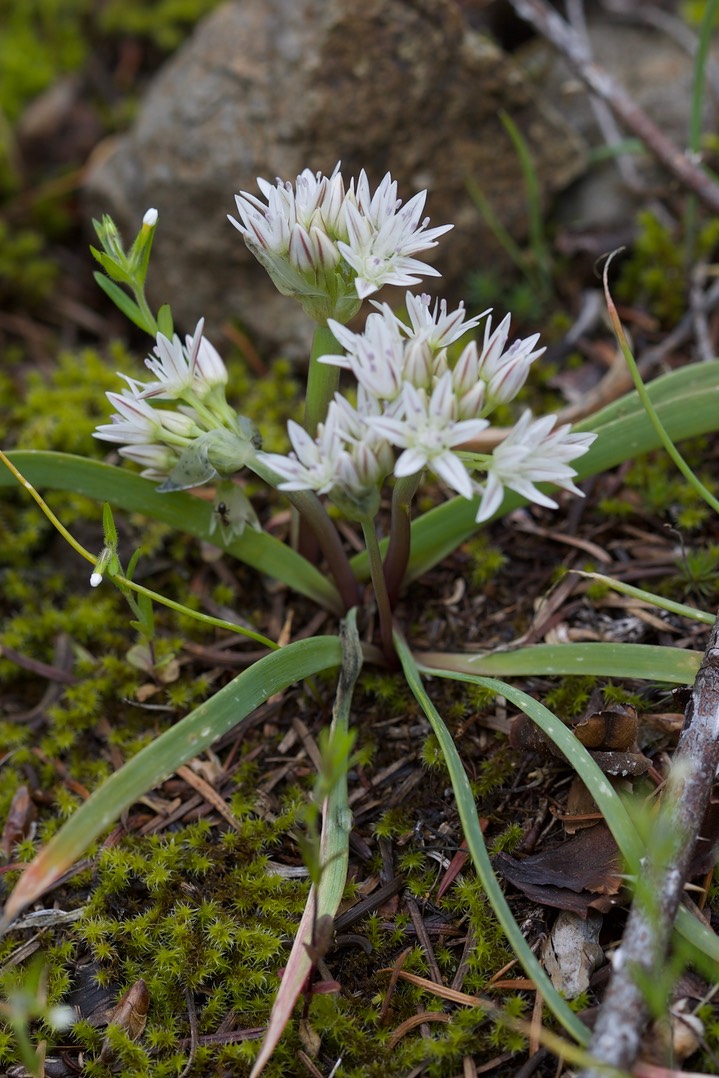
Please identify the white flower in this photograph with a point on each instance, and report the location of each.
(438, 326)
(310, 236)
(375, 357)
(532, 453)
(314, 463)
(384, 236)
(294, 236)
(171, 367)
(209, 368)
(150, 218)
(193, 369)
(158, 460)
(380, 358)
(370, 451)
(428, 432)
(136, 422)
(346, 460)
(505, 372)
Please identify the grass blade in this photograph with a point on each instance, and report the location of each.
(662, 434)
(659, 601)
(324, 899)
(478, 850)
(161, 757)
(123, 489)
(537, 238)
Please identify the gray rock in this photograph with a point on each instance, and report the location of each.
(269, 87)
(657, 72)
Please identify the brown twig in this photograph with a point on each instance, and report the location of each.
(624, 1012)
(552, 26)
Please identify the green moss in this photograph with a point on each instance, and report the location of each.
(392, 822)
(158, 913)
(570, 697)
(431, 754)
(61, 411)
(494, 772)
(698, 576)
(487, 561)
(509, 839)
(43, 39)
(654, 275)
(165, 23)
(27, 275)
(616, 694)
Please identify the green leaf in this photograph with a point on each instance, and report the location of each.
(478, 850)
(164, 321)
(608, 800)
(193, 469)
(121, 300)
(111, 267)
(103, 482)
(648, 661)
(108, 526)
(324, 898)
(185, 740)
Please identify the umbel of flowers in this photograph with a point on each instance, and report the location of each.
(330, 244)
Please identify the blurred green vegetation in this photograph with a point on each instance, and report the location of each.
(42, 39)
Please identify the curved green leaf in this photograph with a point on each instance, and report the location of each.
(472, 830)
(182, 742)
(608, 800)
(104, 482)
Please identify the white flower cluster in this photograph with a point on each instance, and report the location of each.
(411, 396)
(158, 438)
(331, 246)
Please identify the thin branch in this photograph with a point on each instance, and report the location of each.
(668, 24)
(552, 26)
(602, 113)
(624, 1011)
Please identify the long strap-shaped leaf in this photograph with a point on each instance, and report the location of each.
(651, 662)
(687, 402)
(324, 899)
(478, 851)
(123, 489)
(610, 804)
(159, 759)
